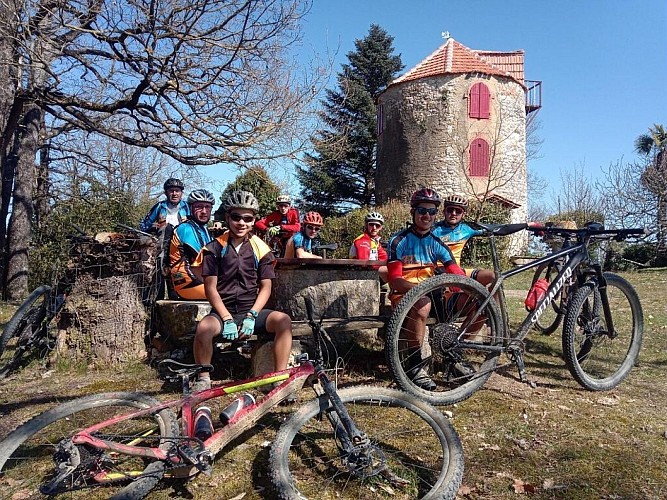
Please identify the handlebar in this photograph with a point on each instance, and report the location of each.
(594, 230)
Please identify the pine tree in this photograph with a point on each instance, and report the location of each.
(340, 173)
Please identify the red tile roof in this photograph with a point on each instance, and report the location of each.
(455, 58)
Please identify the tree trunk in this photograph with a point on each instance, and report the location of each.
(103, 322)
(20, 234)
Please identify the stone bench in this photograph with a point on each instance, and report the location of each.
(178, 319)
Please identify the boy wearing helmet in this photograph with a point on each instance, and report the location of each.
(300, 245)
(172, 210)
(413, 255)
(284, 222)
(455, 234)
(186, 244)
(237, 268)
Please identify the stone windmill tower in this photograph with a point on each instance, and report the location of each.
(457, 122)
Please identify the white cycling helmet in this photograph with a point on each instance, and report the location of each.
(455, 200)
(374, 217)
(201, 195)
(241, 199)
(284, 198)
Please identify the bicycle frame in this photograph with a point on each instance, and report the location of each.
(577, 255)
(188, 461)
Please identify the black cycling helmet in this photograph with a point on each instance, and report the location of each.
(172, 182)
(425, 195)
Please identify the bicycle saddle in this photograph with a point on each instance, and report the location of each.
(170, 367)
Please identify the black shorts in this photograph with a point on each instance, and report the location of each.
(260, 321)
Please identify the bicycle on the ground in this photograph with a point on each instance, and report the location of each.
(29, 333)
(369, 442)
(469, 328)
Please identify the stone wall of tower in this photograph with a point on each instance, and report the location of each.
(426, 134)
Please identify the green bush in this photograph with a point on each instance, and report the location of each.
(344, 229)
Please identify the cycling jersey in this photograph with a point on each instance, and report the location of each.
(289, 223)
(366, 248)
(455, 237)
(239, 272)
(299, 240)
(186, 243)
(156, 217)
(414, 256)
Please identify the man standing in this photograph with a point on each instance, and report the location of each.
(413, 255)
(283, 223)
(172, 210)
(237, 268)
(186, 243)
(161, 219)
(368, 246)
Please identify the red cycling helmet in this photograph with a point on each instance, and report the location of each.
(313, 218)
(425, 195)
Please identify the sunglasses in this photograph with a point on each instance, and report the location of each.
(373, 224)
(283, 205)
(313, 228)
(454, 210)
(238, 217)
(424, 211)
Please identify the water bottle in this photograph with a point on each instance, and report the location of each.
(236, 406)
(536, 293)
(203, 423)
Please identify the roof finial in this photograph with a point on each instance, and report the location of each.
(445, 35)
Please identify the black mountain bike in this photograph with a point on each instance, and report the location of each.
(467, 329)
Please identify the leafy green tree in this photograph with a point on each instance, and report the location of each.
(340, 173)
(653, 146)
(257, 181)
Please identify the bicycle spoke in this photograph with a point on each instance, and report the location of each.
(47, 461)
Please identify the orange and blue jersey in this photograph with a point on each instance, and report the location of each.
(455, 237)
(186, 243)
(414, 257)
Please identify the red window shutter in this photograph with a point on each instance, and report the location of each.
(473, 101)
(479, 158)
(479, 101)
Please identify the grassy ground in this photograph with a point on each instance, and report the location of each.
(549, 439)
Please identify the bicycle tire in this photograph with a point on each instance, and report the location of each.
(550, 320)
(26, 323)
(457, 372)
(27, 453)
(425, 451)
(596, 361)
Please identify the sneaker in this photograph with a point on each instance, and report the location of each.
(421, 379)
(201, 384)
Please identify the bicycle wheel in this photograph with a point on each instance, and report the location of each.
(23, 329)
(455, 372)
(31, 455)
(597, 358)
(552, 316)
(414, 450)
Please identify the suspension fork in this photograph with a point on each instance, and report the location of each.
(601, 285)
(345, 429)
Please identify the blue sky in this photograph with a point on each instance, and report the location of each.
(603, 64)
